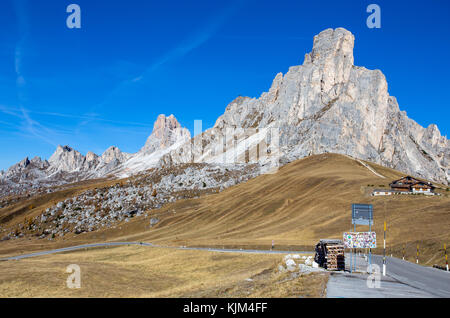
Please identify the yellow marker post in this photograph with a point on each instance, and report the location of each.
(446, 259)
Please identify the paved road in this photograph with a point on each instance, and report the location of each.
(346, 285)
(431, 280)
(80, 247)
(403, 280)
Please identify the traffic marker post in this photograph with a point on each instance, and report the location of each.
(403, 252)
(417, 254)
(446, 259)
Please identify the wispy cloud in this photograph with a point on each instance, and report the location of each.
(91, 117)
(28, 124)
(195, 40)
(280, 37)
(37, 129)
(20, 7)
(180, 50)
(6, 123)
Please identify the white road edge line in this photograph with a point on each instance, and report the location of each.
(94, 245)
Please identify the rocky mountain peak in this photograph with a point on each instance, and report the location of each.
(91, 157)
(166, 132)
(39, 163)
(66, 158)
(59, 151)
(18, 167)
(64, 148)
(329, 105)
(25, 170)
(164, 124)
(24, 163)
(113, 153)
(36, 159)
(331, 45)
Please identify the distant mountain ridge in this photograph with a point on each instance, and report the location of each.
(68, 165)
(325, 105)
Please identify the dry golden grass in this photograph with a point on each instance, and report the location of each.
(137, 271)
(304, 201)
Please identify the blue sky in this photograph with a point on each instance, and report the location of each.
(105, 84)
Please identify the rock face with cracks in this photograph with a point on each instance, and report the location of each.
(330, 105)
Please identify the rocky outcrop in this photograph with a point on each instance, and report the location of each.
(330, 105)
(114, 154)
(66, 159)
(106, 206)
(166, 132)
(166, 136)
(26, 170)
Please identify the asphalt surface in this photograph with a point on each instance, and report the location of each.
(95, 245)
(346, 285)
(403, 280)
(431, 280)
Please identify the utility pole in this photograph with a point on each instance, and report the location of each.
(384, 250)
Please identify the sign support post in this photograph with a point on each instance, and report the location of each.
(351, 260)
(362, 214)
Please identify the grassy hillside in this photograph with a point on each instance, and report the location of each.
(304, 201)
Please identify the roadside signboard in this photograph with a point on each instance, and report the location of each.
(362, 214)
(360, 239)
